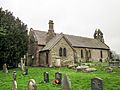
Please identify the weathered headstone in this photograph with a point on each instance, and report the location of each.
(14, 84)
(66, 83)
(90, 69)
(109, 69)
(114, 63)
(26, 70)
(46, 77)
(32, 84)
(81, 68)
(5, 70)
(22, 64)
(19, 65)
(14, 75)
(58, 76)
(25, 60)
(96, 84)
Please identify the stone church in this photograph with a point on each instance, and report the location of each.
(47, 48)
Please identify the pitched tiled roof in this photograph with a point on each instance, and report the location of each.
(55, 40)
(52, 42)
(76, 41)
(40, 36)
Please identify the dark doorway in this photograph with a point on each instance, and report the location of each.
(47, 63)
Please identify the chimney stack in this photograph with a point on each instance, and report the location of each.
(51, 25)
(50, 33)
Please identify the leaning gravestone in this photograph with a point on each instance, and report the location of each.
(5, 70)
(32, 85)
(14, 85)
(66, 83)
(46, 77)
(96, 84)
(58, 76)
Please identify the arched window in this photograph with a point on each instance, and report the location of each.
(101, 54)
(89, 54)
(64, 52)
(81, 53)
(60, 51)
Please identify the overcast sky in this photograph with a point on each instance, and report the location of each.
(77, 17)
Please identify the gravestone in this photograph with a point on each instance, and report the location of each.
(96, 84)
(58, 76)
(14, 84)
(109, 69)
(22, 64)
(5, 70)
(32, 85)
(46, 77)
(26, 70)
(90, 69)
(14, 75)
(114, 63)
(81, 68)
(19, 65)
(66, 83)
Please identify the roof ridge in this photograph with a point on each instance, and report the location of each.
(79, 36)
(73, 39)
(40, 31)
(66, 34)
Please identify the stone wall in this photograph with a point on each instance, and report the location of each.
(95, 54)
(42, 61)
(54, 53)
(37, 55)
(78, 54)
(33, 51)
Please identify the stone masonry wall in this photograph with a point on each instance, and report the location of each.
(95, 54)
(54, 53)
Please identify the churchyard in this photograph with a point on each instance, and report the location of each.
(80, 80)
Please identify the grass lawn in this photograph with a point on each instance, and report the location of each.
(79, 80)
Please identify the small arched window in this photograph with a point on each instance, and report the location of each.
(64, 52)
(101, 54)
(81, 53)
(89, 54)
(60, 51)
